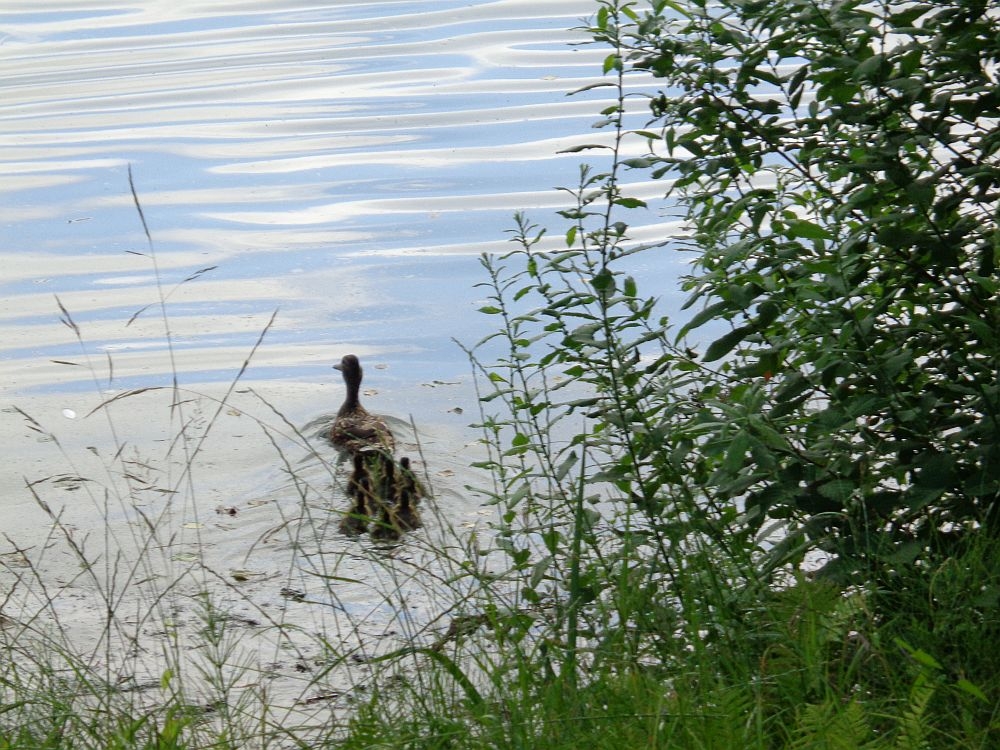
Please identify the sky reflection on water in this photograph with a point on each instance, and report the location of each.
(346, 165)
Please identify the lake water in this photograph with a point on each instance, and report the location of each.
(344, 166)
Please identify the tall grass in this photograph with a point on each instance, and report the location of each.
(161, 630)
(629, 605)
(624, 605)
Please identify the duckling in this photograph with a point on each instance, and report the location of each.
(398, 511)
(409, 480)
(355, 429)
(407, 493)
(386, 526)
(359, 490)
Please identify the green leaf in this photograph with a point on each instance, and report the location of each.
(876, 64)
(722, 346)
(703, 316)
(583, 147)
(601, 21)
(591, 86)
(563, 469)
(967, 687)
(807, 230)
(644, 162)
(630, 202)
(918, 655)
(538, 571)
(840, 490)
(604, 281)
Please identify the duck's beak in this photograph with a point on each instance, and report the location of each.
(338, 366)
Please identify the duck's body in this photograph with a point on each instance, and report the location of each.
(355, 429)
(405, 516)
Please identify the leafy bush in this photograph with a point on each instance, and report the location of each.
(837, 165)
(645, 583)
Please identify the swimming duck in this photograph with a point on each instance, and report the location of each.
(386, 525)
(372, 489)
(355, 429)
(359, 490)
(400, 513)
(408, 492)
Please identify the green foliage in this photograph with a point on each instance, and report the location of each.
(658, 496)
(837, 164)
(645, 583)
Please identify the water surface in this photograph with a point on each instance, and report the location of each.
(346, 165)
(328, 174)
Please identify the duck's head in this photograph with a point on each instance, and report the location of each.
(350, 367)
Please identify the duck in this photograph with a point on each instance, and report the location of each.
(386, 526)
(400, 513)
(372, 490)
(355, 429)
(356, 520)
(407, 493)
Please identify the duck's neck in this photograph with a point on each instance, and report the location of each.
(351, 400)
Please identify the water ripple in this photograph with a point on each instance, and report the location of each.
(335, 161)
